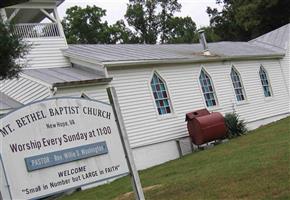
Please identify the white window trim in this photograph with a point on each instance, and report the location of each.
(269, 81)
(242, 102)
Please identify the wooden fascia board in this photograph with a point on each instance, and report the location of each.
(77, 58)
(99, 81)
(30, 4)
(93, 82)
(86, 63)
(11, 3)
(33, 5)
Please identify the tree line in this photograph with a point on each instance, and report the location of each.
(151, 22)
(154, 21)
(146, 21)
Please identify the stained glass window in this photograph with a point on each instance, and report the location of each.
(238, 86)
(160, 95)
(207, 89)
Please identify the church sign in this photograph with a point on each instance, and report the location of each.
(58, 144)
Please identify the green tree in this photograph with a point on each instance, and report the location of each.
(211, 36)
(148, 20)
(84, 25)
(247, 19)
(12, 47)
(141, 15)
(166, 19)
(154, 19)
(119, 33)
(180, 30)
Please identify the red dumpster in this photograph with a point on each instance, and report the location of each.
(204, 126)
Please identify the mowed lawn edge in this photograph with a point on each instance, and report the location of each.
(253, 166)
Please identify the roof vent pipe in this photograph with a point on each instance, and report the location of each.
(203, 42)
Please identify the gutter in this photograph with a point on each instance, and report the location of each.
(205, 59)
(182, 60)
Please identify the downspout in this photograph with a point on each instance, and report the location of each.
(284, 74)
(284, 79)
(107, 75)
(106, 71)
(287, 86)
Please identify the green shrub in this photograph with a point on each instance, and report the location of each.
(236, 127)
(12, 48)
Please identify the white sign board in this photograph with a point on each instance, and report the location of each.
(58, 144)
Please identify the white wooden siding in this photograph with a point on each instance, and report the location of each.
(285, 63)
(46, 53)
(257, 106)
(145, 126)
(24, 90)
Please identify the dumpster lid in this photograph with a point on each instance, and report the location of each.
(196, 113)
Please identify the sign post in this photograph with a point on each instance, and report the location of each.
(139, 195)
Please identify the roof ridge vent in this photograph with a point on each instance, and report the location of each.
(203, 42)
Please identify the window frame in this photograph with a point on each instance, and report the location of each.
(233, 68)
(269, 82)
(165, 115)
(213, 107)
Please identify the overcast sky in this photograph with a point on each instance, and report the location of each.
(116, 9)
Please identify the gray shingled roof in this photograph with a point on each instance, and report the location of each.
(278, 38)
(62, 76)
(7, 103)
(104, 54)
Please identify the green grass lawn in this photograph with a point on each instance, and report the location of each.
(254, 166)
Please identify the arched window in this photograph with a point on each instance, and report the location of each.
(207, 89)
(160, 94)
(238, 85)
(265, 82)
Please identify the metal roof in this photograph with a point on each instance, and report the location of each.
(278, 38)
(105, 54)
(7, 103)
(66, 76)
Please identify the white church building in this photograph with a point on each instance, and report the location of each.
(156, 84)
